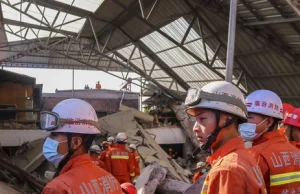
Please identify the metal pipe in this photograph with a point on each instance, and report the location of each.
(231, 40)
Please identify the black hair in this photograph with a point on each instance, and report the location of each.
(87, 140)
(274, 126)
(121, 142)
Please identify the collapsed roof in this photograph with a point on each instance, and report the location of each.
(174, 44)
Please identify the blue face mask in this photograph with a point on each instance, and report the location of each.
(203, 171)
(50, 151)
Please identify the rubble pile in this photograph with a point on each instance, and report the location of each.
(26, 170)
(16, 125)
(159, 171)
(18, 180)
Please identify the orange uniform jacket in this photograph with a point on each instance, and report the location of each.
(80, 175)
(297, 145)
(135, 156)
(196, 176)
(103, 157)
(279, 162)
(120, 163)
(96, 160)
(233, 171)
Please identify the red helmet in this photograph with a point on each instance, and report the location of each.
(286, 107)
(128, 188)
(292, 117)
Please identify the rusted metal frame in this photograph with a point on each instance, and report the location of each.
(129, 59)
(136, 69)
(221, 43)
(240, 78)
(108, 39)
(157, 60)
(188, 29)
(83, 62)
(220, 13)
(141, 8)
(152, 8)
(176, 43)
(203, 40)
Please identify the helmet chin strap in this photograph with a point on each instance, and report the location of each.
(213, 136)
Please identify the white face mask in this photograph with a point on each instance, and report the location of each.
(247, 131)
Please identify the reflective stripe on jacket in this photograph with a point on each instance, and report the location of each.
(135, 156)
(233, 171)
(120, 163)
(279, 162)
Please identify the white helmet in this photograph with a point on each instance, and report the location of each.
(65, 114)
(265, 102)
(132, 146)
(110, 140)
(219, 95)
(95, 148)
(121, 137)
(200, 164)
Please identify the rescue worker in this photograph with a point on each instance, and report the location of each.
(128, 188)
(73, 124)
(285, 107)
(278, 160)
(120, 163)
(292, 127)
(95, 156)
(201, 167)
(104, 154)
(111, 141)
(135, 156)
(170, 153)
(219, 108)
(98, 85)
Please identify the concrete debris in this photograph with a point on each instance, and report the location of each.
(140, 116)
(49, 175)
(161, 154)
(150, 159)
(152, 176)
(15, 125)
(186, 121)
(31, 157)
(19, 178)
(147, 147)
(145, 151)
(197, 186)
(121, 121)
(10, 138)
(171, 186)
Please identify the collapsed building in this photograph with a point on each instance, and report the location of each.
(154, 133)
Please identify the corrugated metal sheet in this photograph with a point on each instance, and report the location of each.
(260, 50)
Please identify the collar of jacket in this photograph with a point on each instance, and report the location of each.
(230, 146)
(76, 162)
(274, 135)
(296, 144)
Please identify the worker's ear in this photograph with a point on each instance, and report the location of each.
(76, 142)
(270, 121)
